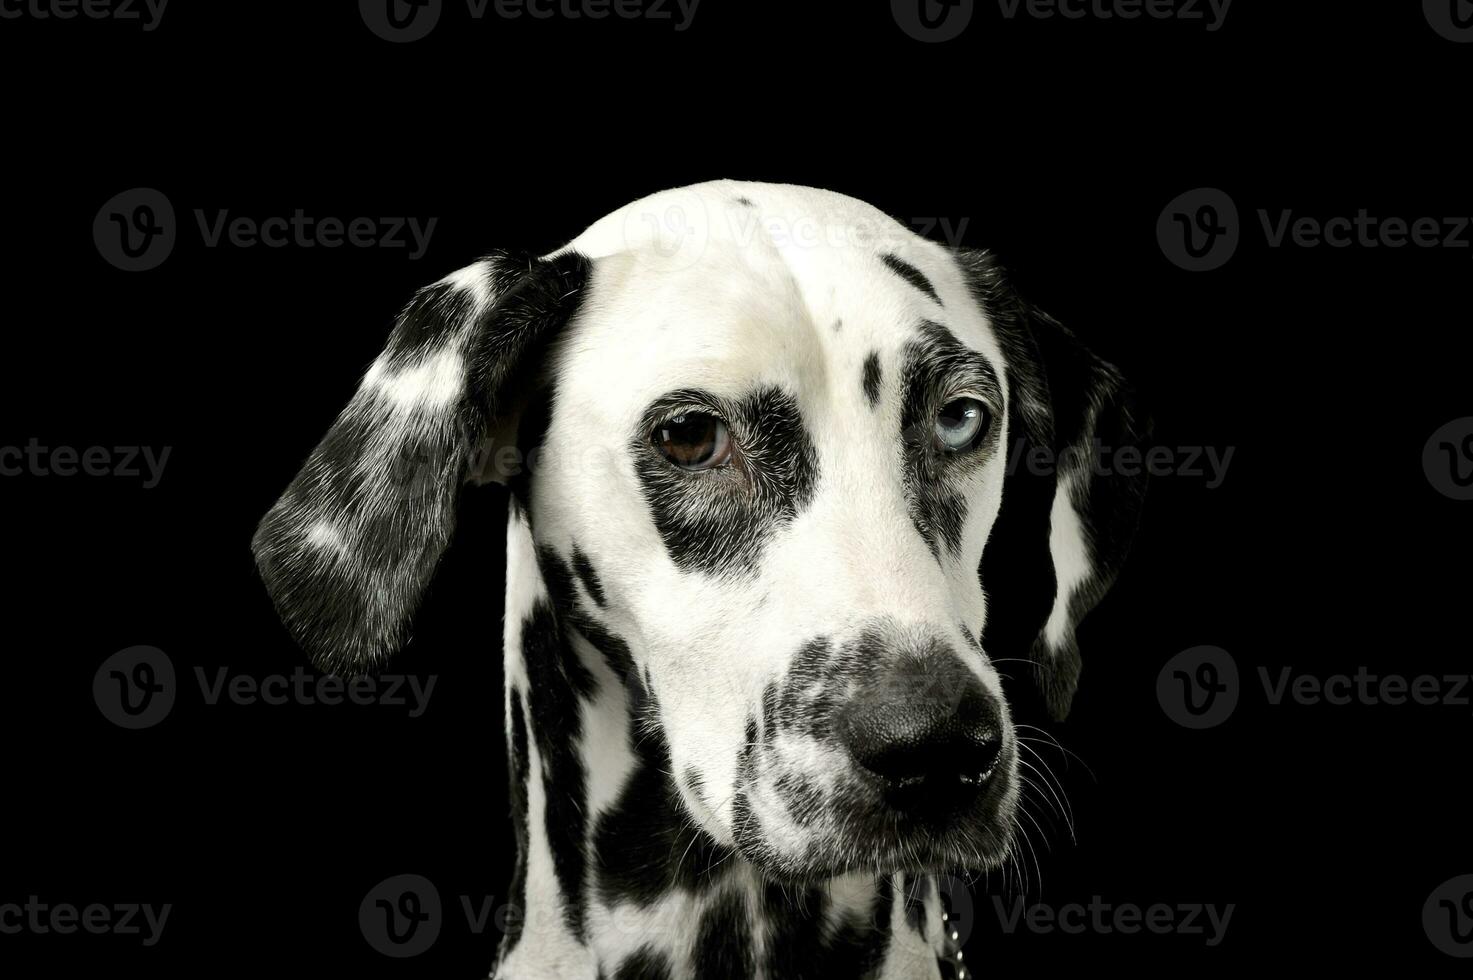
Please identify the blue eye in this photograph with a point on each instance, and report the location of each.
(961, 424)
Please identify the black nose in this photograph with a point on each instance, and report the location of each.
(927, 728)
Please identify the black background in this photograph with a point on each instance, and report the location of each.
(1059, 143)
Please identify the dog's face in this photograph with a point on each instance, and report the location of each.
(773, 465)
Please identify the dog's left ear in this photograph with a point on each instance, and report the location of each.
(1071, 502)
(350, 547)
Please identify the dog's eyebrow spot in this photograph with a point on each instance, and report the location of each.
(911, 274)
(946, 354)
(588, 577)
(872, 377)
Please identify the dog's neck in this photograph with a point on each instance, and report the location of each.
(612, 877)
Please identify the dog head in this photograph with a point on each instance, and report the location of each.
(761, 438)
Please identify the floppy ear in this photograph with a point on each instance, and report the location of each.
(1067, 516)
(349, 548)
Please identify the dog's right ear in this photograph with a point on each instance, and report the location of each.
(348, 550)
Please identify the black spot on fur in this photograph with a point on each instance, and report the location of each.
(615, 651)
(694, 781)
(716, 521)
(911, 275)
(872, 377)
(646, 842)
(796, 921)
(815, 683)
(558, 575)
(555, 677)
(917, 891)
(519, 764)
(795, 928)
(802, 797)
(559, 580)
(724, 949)
(838, 325)
(432, 317)
(584, 570)
(881, 912)
(745, 202)
(646, 963)
(769, 714)
(936, 368)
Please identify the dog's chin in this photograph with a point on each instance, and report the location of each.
(822, 863)
(883, 844)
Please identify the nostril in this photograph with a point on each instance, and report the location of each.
(979, 758)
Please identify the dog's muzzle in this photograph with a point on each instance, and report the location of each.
(927, 732)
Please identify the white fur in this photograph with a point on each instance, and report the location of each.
(432, 385)
(1072, 564)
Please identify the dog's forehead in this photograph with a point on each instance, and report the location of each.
(730, 284)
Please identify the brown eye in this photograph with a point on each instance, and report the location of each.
(693, 441)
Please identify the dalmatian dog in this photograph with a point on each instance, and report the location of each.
(766, 548)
